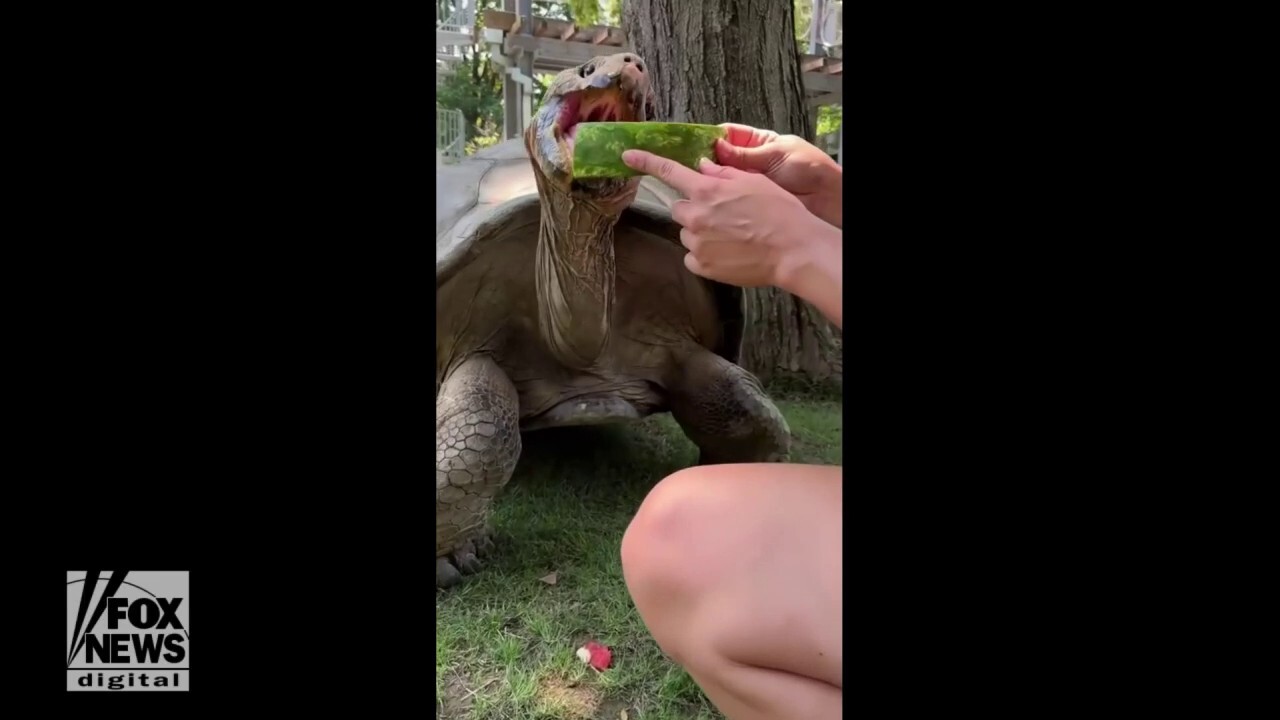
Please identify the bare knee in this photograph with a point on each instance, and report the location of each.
(665, 522)
(710, 558)
(669, 554)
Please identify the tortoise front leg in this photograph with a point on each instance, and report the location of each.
(726, 413)
(477, 445)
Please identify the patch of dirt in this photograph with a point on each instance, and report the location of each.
(455, 703)
(458, 698)
(568, 699)
(613, 709)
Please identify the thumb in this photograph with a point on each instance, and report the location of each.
(693, 265)
(710, 169)
(757, 159)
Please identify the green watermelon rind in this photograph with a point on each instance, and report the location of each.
(598, 147)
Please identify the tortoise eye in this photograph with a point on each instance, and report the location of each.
(586, 70)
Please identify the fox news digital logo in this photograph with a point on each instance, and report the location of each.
(128, 634)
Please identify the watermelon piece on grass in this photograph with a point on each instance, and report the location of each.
(596, 655)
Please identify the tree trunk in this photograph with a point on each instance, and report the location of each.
(720, 61)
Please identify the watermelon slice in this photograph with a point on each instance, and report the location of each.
(598, 147)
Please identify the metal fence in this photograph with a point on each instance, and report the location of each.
(451, 137)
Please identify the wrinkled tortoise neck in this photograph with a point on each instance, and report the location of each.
(575, 275)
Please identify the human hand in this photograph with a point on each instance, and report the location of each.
(740, 228)
(794, 164)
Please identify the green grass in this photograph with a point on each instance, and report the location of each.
(505, 641)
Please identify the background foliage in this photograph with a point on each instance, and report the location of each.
(476, 87)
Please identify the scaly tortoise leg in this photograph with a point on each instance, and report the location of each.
(726, 413)
(477, 445)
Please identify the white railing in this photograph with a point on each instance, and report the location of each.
(451, 136)
(463, 19)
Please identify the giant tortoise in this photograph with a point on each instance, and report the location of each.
(567, 302)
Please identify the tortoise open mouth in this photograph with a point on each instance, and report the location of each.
(617, 102)
(611, 104)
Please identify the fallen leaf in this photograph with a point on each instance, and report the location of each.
(549, 579)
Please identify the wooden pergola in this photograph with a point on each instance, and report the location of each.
(543, 45)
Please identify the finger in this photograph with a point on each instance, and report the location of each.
(747, 136)
(668, 171)
(694, 266)
(728, 153)
(690, 240)
(710, 169)
(682, 211)
(693, 217)
(757, 159)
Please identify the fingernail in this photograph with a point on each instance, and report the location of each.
(630, 156)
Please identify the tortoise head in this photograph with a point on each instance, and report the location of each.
(613, 88)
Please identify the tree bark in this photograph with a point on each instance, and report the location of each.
(718, 61)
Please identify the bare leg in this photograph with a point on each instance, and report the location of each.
(726, 413)
(477, 445)
(736, 570)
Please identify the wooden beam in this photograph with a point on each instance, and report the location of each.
(833, 67)
(556, 29)
(824, 99)
(559, 29)
(564, 52)
(821, 82)
(445, 38)
(809, 63)
(499, 20)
